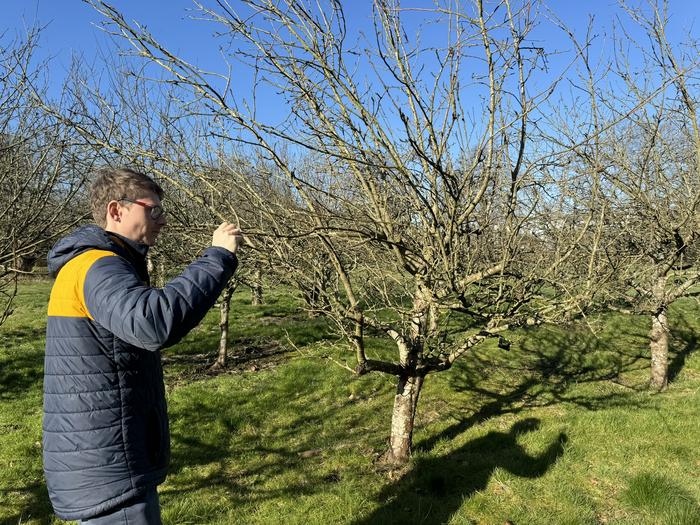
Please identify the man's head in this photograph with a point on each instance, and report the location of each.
(127, 202)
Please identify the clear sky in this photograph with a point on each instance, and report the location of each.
(72, 27)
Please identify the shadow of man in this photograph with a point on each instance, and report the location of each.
(435, 488)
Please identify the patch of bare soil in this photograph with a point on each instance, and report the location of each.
(244, 355)
(286, 318)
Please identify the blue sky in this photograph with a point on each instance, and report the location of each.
(71, 26)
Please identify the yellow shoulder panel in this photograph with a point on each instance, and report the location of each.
(67, 295)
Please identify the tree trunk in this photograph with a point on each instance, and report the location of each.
(402, 419)
(257, 288)
(160, 274)
(26, 263)
(408, 390)
(658, 343)
(156, 270)
(224, 309)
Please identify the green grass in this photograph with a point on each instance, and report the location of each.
(558, 430)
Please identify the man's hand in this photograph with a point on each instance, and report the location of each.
(227, 236)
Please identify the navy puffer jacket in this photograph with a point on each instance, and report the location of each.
(105, 427)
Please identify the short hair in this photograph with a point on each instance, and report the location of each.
(113, 184)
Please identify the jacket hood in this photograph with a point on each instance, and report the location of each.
(90, 237)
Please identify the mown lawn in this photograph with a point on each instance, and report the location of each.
(557, 430)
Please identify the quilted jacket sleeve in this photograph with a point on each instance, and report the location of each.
(153, 318)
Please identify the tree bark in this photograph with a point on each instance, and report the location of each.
(149, 264)
(224, 309)
(658, 337)
(160, 274)
(402, 419)
(658, 343)
(408, 389)
(314, 296)
(156, 270)
(257, 288)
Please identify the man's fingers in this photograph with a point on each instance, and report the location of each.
(228, 227)
(228, 236)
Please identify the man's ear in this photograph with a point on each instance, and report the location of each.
(113, 211)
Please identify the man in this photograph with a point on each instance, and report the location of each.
(106, 440)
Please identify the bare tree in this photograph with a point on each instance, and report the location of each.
(410, 166)
(129, 122)
(41, 169)
(645, 149)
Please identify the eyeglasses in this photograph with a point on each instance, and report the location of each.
(156, 211)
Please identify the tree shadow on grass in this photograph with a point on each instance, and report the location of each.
(684, 341)
(19, 370)
(436, 487)
(240, 482)
(36, 504)
(20, 374)
(211, 436)
(678, 358)
(10, 335)
(541, 373)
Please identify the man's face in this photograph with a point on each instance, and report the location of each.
(135, 221)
